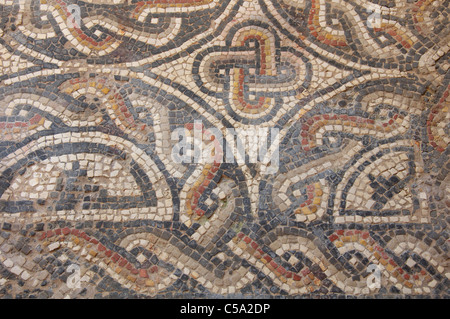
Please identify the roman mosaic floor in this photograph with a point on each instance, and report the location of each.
(352, 201)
